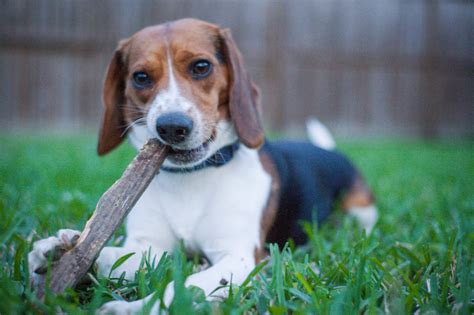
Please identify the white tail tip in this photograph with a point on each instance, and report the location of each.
(319, 135)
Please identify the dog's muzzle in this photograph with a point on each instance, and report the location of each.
(174, 128)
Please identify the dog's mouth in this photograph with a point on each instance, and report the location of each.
(183, 157)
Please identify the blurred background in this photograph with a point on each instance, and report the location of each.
(381, 68)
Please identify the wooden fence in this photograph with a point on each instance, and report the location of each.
(365, 68)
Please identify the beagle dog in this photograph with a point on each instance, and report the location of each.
(224, 190)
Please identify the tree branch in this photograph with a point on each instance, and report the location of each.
(112, 208)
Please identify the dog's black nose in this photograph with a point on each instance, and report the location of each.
(174, 128)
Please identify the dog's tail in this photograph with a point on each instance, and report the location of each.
(319, 135)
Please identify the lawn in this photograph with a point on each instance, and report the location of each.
(418, 258)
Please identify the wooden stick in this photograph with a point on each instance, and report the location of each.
(112, 208)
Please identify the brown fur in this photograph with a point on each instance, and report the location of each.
(270, 211)
(359, 195)
(243, 97)
(113, 123)
(227, 93)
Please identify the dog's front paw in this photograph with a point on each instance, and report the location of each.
(51, 248)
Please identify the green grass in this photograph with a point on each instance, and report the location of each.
(419, 256)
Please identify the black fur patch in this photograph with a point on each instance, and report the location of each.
(311, 179)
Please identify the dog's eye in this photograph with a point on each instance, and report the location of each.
(200, 69)
(141, 80)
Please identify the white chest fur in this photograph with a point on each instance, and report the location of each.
(212, 210)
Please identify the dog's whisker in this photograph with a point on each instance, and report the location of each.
(139, 122)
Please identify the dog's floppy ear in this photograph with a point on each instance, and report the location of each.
(112, 130)
(243, 95)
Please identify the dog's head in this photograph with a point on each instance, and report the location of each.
(184, 83)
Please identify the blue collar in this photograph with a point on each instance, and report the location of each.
(221, 157)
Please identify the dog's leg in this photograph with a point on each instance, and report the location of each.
(366, 216)
(359, 203)
(139, 241)
(55, 246)
(147, 231)
(109, 255)
(230, 269)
